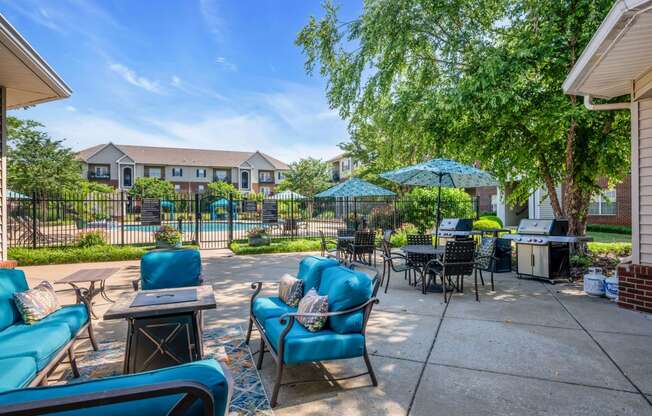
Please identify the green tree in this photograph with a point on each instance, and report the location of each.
(307, 176)
(221, 189)
(152, 188)
(38, 163)
(473, 80)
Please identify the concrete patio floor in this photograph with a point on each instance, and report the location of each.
(528, 348)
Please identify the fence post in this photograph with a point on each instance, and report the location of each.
(122, 218)
(293, 223)
(229, 216)
(197, 217)
(33, 219)
(476, 202)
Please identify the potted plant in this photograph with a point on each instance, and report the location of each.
(167, 236)
(258, 237)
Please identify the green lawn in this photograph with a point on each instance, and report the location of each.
(601, 237)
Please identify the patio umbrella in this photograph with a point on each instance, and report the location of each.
(353, 188)
(287, 195)
(440, 173)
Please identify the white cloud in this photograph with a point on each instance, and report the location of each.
(212, 18)
(70, 108)
(176, 81)
(131, 77)
(226, 64)
(192, 89)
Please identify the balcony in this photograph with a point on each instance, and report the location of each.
(266, 177)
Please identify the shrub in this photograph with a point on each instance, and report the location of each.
(256, 232)
(91, 238)
(605, 228)
(615, 249)
(485, 224)
(492, 218)
(168, 235)
(326, 215)
(419, 206)
(399, 238)
(283, 246)
(381, 217)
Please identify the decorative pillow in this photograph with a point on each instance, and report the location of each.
(37, 303)
(313, 303)
(290, 290)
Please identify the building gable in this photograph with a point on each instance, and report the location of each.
(108, 154)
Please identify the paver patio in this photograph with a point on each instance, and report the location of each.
(527, 348)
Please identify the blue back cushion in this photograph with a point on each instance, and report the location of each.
(164, 269)
(345, 289)
(11, 281)
(311, 268)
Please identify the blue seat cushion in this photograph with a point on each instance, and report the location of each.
(271, 307)
(206, 372)
(345, 289)
(75, 316)
(311, 268)
(163, 269)
(303, 346)
(11, 281)
(16, 372)
(41, 341)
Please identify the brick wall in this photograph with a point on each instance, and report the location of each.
(635, 287)
(623, 205)
(484, 194)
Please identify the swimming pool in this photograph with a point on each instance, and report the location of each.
(189, 227)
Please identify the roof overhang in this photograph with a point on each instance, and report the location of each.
(28, 79)
(619, 52)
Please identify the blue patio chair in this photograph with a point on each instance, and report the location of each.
(351, 296)
(164, 269)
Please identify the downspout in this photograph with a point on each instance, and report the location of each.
(588, 103)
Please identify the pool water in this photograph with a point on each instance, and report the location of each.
(189, 227)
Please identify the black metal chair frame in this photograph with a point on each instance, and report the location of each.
(290, 318)
(388, 263)
(325, 251)
(448, 269)
(363, 244)
(190, 391)
(490, 267)
(417, 262)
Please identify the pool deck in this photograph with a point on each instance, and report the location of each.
(528, 348)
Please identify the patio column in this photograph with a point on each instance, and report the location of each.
(3, 174)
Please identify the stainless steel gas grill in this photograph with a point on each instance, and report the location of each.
(543, 249)
(455, 229)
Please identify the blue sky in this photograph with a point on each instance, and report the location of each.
(220, 74)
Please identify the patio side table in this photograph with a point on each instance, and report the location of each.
(166, 334)
(92, 277)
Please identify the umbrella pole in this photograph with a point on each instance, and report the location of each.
(438, 213)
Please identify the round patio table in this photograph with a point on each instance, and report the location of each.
(427, 250)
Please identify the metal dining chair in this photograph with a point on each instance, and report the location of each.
(396, 262)
(458, 261)
(362, 246)
(417, 261)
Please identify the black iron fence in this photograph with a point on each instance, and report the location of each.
(212, 221)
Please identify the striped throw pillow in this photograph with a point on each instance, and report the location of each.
(290, 290)
(313, 303)
(37, 303)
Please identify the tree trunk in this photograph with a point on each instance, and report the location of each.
(550, 187)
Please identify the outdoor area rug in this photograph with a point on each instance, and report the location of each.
(226, 345)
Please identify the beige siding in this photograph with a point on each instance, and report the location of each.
(108, 155)
(643, 153)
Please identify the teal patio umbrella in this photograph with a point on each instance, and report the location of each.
(440, 173)
(353, 188)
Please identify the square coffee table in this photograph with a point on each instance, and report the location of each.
(163, 334)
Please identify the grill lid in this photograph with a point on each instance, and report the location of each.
(456, 224)
(543, 227)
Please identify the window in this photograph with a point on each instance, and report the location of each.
(280, 176)
(177, 171)
(346, 165)
(200, 188)
(102, 171)
(604, 203)
(201, 173)
(265, 176)
(494, 203)
(244, 179)
(154, 172)
(221, 175)
(265, 190)
(177, 187)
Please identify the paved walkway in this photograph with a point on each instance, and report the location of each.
(526, 349)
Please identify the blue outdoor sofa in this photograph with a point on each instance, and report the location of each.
(29, 353)
(198, 388)
(351, 296)
(170, 268)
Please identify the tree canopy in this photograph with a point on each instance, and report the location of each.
(148, 187)
(38, 163)
(307, 176)
(475, 81)
(223, 189)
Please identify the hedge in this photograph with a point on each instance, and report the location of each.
(616, 249)
(605, 228)
(65, 255)
(282, 246)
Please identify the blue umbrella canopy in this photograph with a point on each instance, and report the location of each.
(441, 172)
(354, 187)
(287, 195)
